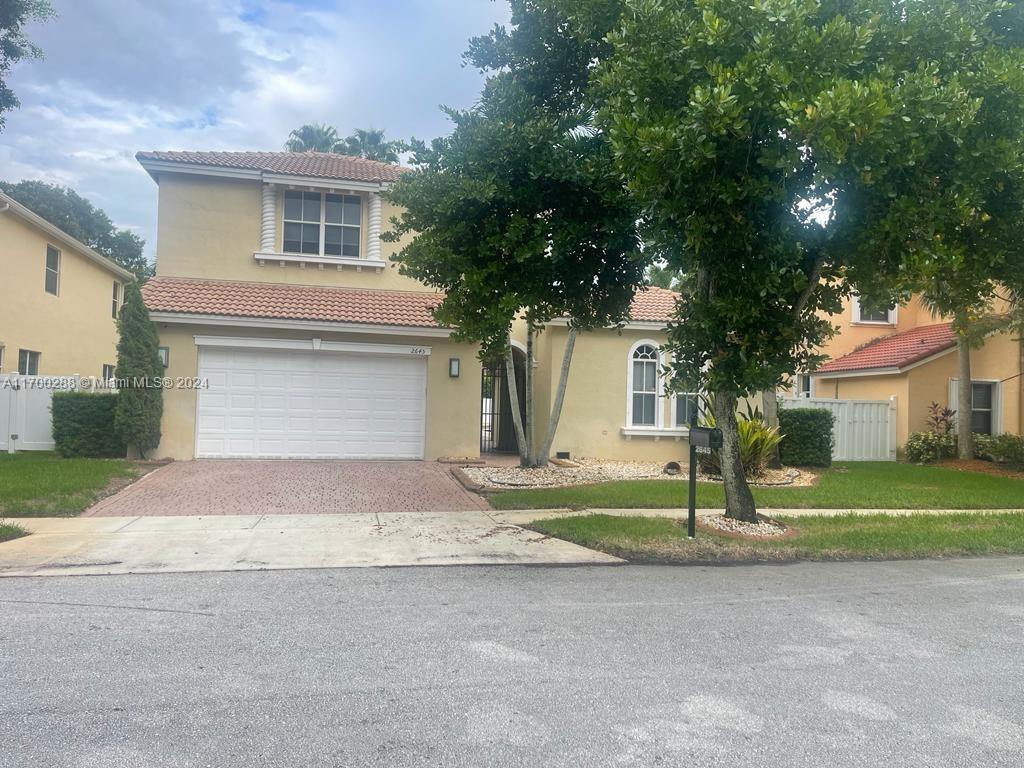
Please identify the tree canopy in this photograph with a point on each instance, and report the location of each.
(785, 152)
(14, 45)
(66, 209)
(519, 212)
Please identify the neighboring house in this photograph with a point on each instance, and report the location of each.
(59, 314)
(908, 354)
(274, 289)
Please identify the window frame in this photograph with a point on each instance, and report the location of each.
(996, 411)
(47, 271)
(323, 223)
(992, 410)
(800, 390)
(675, 409)
(658, 390)
(858, 319)
(116, 299)
(28, 358)
(107, 367)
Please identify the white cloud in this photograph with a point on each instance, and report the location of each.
(225, 74)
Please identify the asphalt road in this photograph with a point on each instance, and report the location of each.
(857, 664)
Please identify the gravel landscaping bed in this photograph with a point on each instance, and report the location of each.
(760, 530)
(589, 471)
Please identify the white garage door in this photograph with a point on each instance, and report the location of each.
(303, 404)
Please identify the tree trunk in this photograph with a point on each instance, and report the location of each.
(739, 501)
(964, 400)
(770, 408)
(513, 396)
(556, 408)
(528, 427)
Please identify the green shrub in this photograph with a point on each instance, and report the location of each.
(1003, 449)
(808, 437)
(83, 425)
(757, 446)
(928, 447)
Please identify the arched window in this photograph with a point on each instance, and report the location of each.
(643, 392)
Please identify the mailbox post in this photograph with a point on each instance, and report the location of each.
(707, 439)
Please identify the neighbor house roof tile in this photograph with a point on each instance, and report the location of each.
(320, 165)
(654, 305)
(291, 302)
(896, 351)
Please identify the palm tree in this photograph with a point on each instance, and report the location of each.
(370, 144)
(313, 137)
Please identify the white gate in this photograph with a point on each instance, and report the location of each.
(865, 430)
(25, 419)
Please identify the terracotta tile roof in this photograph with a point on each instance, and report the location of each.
(281, 301)
(320, 165)
(654, 305)
(290, 302)
(895, 351)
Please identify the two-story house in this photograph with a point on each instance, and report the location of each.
(275, 293)
(908, 354)
(61, 299)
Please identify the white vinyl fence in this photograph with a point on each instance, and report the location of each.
(865, 430)
(25, 420)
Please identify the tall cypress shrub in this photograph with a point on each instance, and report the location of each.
(140, 402)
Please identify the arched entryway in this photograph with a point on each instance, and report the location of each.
(497, 432)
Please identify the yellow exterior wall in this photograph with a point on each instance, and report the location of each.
(453, 405)
(999, 359)
(853, 335)
(594, 410)
(73, 331)
(209, 227)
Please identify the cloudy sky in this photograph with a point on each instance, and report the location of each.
(121, 76)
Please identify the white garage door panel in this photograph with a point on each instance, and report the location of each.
(298, 404)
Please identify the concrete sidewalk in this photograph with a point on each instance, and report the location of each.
(109, 545)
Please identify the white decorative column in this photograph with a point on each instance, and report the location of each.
(373, 235)
(267, 228)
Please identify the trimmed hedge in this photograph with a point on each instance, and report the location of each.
(807, 440)
(83, 425)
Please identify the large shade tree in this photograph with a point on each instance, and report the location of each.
(784, 153)
(76, 215)
(518, 213)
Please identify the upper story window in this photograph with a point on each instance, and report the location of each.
(873, 315)
(643, 402)
(52, 281)
(322, 224)
(115, 300)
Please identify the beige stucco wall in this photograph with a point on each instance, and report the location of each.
(209, 227)
(594, 410)
(73, 331)
(999, 359)
(453, 405)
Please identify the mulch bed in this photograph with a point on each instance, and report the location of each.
(983, 467)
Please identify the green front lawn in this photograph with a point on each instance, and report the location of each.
(40, 484)
(857, 485)
(845, 537)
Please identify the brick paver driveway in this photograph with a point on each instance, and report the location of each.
(257, 487)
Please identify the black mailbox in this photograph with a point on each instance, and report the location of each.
(705, 437)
